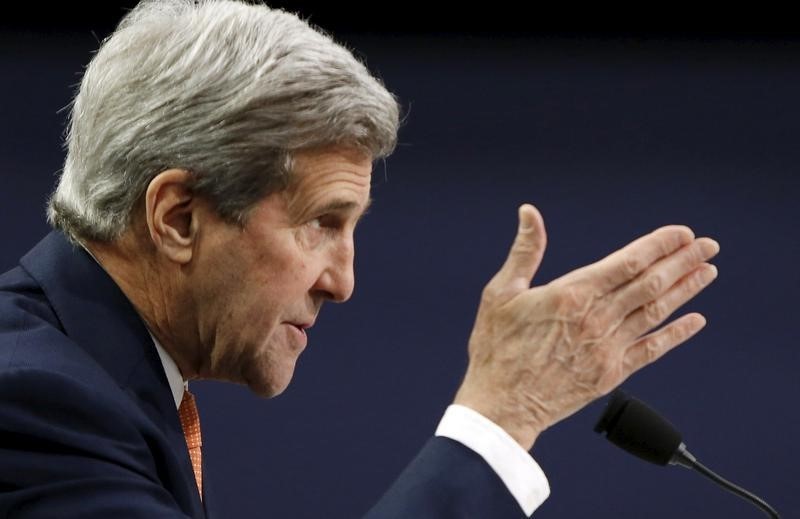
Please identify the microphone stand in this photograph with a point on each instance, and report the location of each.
(634, 427)
(684, 458)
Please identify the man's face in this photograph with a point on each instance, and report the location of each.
(259, 288)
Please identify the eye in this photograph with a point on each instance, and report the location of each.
(329, 222)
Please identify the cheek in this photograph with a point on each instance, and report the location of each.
(257, 284)
(285, 277)
(243, 332)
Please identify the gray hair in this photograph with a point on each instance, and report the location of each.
(223, 89)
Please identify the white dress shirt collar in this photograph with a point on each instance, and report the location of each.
(176, 383)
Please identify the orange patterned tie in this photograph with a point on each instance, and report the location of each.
(190, 421)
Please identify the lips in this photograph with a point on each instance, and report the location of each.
(300, 328)
(302, 325)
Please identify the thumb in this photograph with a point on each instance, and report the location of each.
(527, 250)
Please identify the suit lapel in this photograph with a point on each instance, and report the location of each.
(95, 313)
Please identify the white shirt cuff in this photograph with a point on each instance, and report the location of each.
(516, 468)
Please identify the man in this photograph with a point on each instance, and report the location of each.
(219, 159)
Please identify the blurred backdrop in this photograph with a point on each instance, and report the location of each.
(610, 133)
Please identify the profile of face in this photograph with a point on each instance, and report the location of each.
(256, 289)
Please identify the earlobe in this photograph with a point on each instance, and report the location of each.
(169, 211)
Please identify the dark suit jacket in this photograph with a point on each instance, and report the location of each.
(89, 428)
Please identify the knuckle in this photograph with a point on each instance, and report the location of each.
(631, 266)
(669, 244)
(489, 293)
(655, 312)
(670, 336)
(694, 254)
(523, 246)
(569, 299)
(653, 348)
(676, 334)
(706, 274)
(680, 236)
(496, 293)
(696, 282)
(653, 284)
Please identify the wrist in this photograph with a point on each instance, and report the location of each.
(511, 421)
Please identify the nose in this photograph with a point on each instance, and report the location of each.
(337, 280)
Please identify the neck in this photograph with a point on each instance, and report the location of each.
(151, 285)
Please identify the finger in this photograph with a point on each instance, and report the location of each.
(651, 347)
(656, 312)
(658, 279)
(625, 264)
(526, 252)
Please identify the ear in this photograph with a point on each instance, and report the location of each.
(169, 210)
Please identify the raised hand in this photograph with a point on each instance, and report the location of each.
(537, 355)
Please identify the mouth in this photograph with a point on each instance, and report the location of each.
(301, 327)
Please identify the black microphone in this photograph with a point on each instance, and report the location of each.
(633, 426)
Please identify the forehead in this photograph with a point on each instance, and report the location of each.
(336, 175)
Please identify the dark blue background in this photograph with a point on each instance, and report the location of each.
(610, 137)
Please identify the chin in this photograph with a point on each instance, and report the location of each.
(269, 383)
(268, 391)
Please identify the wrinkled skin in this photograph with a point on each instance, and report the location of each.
(539, 354)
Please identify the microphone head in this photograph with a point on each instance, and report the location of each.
(631, 425)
